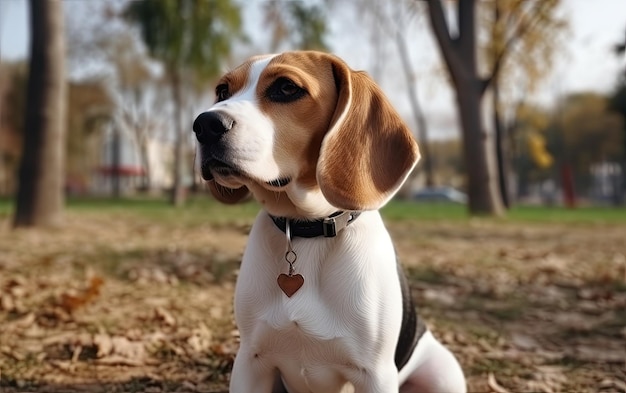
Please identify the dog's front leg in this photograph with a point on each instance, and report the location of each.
(379, 381)
(251, 374)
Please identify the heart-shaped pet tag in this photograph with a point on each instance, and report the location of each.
(290, 284)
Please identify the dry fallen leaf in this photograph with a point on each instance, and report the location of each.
(64, 365)
(600, 355)
(117, 360)
(70, 302)
(6, 302)
(104, 344)
(494, 385)
(164, 316)
(613, 385)
(21, 323)
(523, 341)
(119, 350)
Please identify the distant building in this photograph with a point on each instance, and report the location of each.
(125, 164)
(606, 183)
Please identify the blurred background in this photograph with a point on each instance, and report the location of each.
(138, 73)
(117, 268)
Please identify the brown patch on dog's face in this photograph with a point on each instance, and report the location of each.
(297, 91)
(234, 81)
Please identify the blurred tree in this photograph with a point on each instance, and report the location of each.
(447, 157)
(139, 111)
(523, 39)
(531, 157)
(392, 20)
(301, 25)
(617, 104)
(460, 56)
(89, 105)
(137, 93)
(583, 133)
(590, 133)
(13, 82)
(620, 49)
(416, 108)
(578, 135)
(188, 37)
(538, 152)
(40, 196)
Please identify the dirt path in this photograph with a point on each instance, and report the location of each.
(120, 304)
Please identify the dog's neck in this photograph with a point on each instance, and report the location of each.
(327, 227)
(297, 203)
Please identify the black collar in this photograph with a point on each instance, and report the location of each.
(327, 227)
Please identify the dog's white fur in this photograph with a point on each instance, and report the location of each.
(338, 332)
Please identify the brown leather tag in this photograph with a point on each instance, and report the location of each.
(290, 284)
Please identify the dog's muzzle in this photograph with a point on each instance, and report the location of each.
(209, 128)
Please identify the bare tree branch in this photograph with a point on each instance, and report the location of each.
(449, 47)
(524, 25)
(467, 32)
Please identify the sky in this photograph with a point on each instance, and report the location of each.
(596, 26)
(586, 63)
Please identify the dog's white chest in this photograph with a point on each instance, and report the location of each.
(316, 311)
(321, 336)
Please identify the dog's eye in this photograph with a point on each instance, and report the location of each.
(222, 93)
(284, 90)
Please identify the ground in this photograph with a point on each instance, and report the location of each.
(118, 301)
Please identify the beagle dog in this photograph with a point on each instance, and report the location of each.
(320, 302)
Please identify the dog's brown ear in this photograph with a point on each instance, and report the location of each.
(368, 151)
(228, 195)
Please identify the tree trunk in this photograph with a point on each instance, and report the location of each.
(622, 190)
(501, 146)
(482, 190)
(460, 57)
(40, 197)
(116, 160)
(146, 178)
(418, 115)
(178, 189)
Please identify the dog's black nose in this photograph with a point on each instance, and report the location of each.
(210, 126)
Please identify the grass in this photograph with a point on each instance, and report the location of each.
(403, 210)
(201, 208)
(589, 214)
(198, 209)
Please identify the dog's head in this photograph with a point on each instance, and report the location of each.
(306, 135)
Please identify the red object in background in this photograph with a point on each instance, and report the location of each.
(567, 181)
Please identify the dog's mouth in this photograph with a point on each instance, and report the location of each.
(279, 182)
(214, 167)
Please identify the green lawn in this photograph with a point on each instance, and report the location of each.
(199, 209)
(442, 211)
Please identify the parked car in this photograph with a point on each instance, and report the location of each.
(440, 194)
